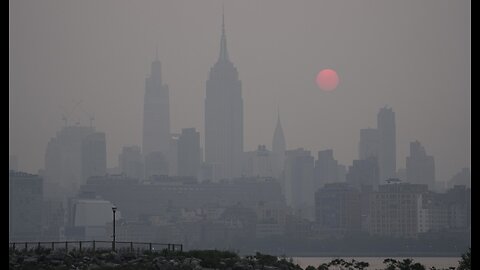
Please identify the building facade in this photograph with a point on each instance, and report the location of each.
(224, 117)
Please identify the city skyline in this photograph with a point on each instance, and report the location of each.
(305, 117)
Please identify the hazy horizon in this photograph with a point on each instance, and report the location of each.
(412, 56)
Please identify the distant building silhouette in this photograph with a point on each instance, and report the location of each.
(420, 166)
(279, 146)
(395, 210)
(387, 159)
(364, 172)
(224, 117)
(130, 162)
(156, 113)
(189, 153)
(463, 177)
(258, 163)
(338, 208)
(326, 169)
(94, 155)
(298, 181)
(24, 206)
(63, 157)
(369, 143)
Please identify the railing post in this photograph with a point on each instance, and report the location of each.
(13, 245)
(181, 247)
(131, 246)
(26, 246)
(150, 246)
(93, 245)
(53, 246)
(38, 246)
(66, 246)
(80, 245)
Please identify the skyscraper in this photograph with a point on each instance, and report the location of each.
(420, 166)
(224, 116)
(326, 169)
(387, 147)
(156, 113)
(279, 147)
(94, 155)
(63, 157)
(131, 163)
(369, 143)
(298, 186)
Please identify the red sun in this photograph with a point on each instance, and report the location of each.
(327, 80)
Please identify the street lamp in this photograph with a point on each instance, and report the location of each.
(114, 209)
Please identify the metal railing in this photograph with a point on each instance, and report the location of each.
(95, 245)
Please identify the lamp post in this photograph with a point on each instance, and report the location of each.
(114, 209)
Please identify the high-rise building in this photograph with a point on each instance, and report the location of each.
(279, 147)
(189, 153)
(24, 206)
(130, 162)
(338, 207)
(363, 172)
(63, 157)
(299, 186)
(156, 113)
(395, 210)
(326, 168)
(94, 155)
(258, 163)
(224, 116)
(369, 143)
(420, 166)
(387, 160)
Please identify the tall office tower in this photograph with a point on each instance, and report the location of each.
(279, 147)
(24, 206)
(299, 188)
(369, 143)
(224, 116)
(326, 169)
(94, 155)
(189, 153)
(156, 113)
(364, 172)
(420, 166)
(130, 162)
(63, 157)
(387, 148)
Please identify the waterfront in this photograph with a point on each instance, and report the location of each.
(377, 262)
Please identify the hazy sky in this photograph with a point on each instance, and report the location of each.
(411, 55)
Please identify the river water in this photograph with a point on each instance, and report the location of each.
(377, 262)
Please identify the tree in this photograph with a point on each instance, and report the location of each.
(464, 263)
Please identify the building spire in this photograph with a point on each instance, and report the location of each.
(223, 40)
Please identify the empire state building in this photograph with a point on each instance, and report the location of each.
(224, 116)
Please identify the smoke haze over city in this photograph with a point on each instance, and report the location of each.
(413, 56)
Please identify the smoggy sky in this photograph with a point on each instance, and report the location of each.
(411, 55)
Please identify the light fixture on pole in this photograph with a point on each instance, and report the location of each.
(114, 209)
